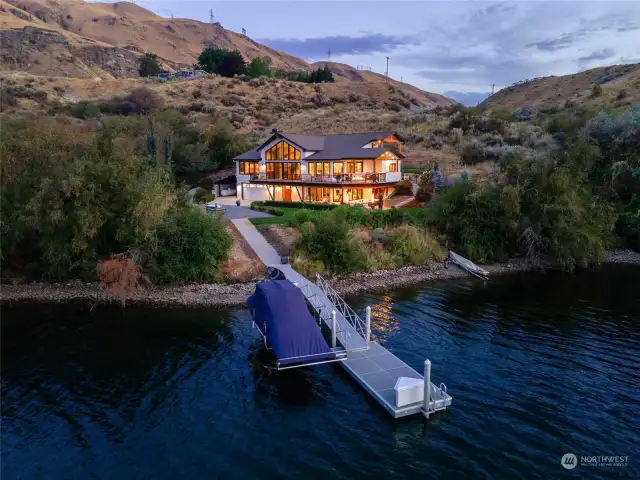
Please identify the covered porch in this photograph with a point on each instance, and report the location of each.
(334, 194)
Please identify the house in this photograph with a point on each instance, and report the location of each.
(351, 168)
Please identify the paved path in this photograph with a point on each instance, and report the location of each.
(233, 212)
(254, 238)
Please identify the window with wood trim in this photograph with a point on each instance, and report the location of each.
(282, 151)
(393, 167)
(319, 169)
(355, 193)
(249, 168)
(354, 166)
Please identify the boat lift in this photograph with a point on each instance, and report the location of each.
(396, 386)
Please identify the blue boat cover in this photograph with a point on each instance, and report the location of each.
(279, 309)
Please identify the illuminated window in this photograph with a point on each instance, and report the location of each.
(354, 166)
(355, 193)
(282, 151)
(249, 168)
(393, 167)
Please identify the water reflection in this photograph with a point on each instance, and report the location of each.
(383, 322)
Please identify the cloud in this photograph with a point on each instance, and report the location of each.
(565, 40)
(340, 45)
(603, 54)
(469, 99)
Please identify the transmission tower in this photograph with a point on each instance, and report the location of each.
(208, 40)
(329, 55)
(493, 88)
(387, 74)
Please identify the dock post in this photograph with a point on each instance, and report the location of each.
(368, 310)
(427, 388)
(334, 329)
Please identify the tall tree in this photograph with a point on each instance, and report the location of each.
(148, 65)
(232, 64)
(210, 59)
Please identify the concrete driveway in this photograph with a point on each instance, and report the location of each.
(233, 212)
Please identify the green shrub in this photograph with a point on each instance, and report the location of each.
(331, 241)
(408, 245)
(190, 247)
(300, 217)
(309, 206)
(199, 195)
(596, 91)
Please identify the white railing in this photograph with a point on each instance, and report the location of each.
(324, 312)
(347, 312)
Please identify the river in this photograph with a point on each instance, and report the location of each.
(538, 366)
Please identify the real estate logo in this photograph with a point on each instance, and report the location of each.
(569, 461)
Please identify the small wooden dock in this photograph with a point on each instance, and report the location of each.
(368, 362)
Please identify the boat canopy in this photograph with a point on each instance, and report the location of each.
(279, 309)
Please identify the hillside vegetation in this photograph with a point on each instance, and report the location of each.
(619, 84)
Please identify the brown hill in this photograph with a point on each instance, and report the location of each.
(346, 73)
(620, 87)
(131, 27)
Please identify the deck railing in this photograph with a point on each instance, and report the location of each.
(342, 306)
(335, 179)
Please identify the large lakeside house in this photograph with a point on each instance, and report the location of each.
(350, 168)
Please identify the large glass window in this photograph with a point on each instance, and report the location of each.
(249, 168)
(393, 167)
(283, 171)
(282, 151)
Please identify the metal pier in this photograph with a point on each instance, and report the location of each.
(369, 363)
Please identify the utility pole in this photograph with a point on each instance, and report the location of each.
(387, 74)
(493, 88)
(329, 55)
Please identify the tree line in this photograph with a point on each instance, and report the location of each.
(229, 63)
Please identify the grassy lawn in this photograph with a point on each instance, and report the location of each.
(287, 214)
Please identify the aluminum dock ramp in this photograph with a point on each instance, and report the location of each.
(368, 362)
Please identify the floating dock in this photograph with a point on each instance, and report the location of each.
(394, 384)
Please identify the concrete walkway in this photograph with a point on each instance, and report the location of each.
(258, 243)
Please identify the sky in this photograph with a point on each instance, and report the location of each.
(459, 49)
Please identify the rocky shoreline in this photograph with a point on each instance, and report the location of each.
(232, 295)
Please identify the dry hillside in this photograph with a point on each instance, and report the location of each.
(620, 86)
(87, 40)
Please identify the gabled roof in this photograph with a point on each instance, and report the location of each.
(329, 147)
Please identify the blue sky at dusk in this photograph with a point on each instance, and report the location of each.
(455, 48)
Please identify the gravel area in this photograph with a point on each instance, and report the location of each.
(231, 295)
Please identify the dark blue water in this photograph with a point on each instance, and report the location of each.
(538, 367)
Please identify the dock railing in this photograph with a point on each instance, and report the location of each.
(362, 328)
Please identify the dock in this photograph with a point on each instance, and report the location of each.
(375, 368)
